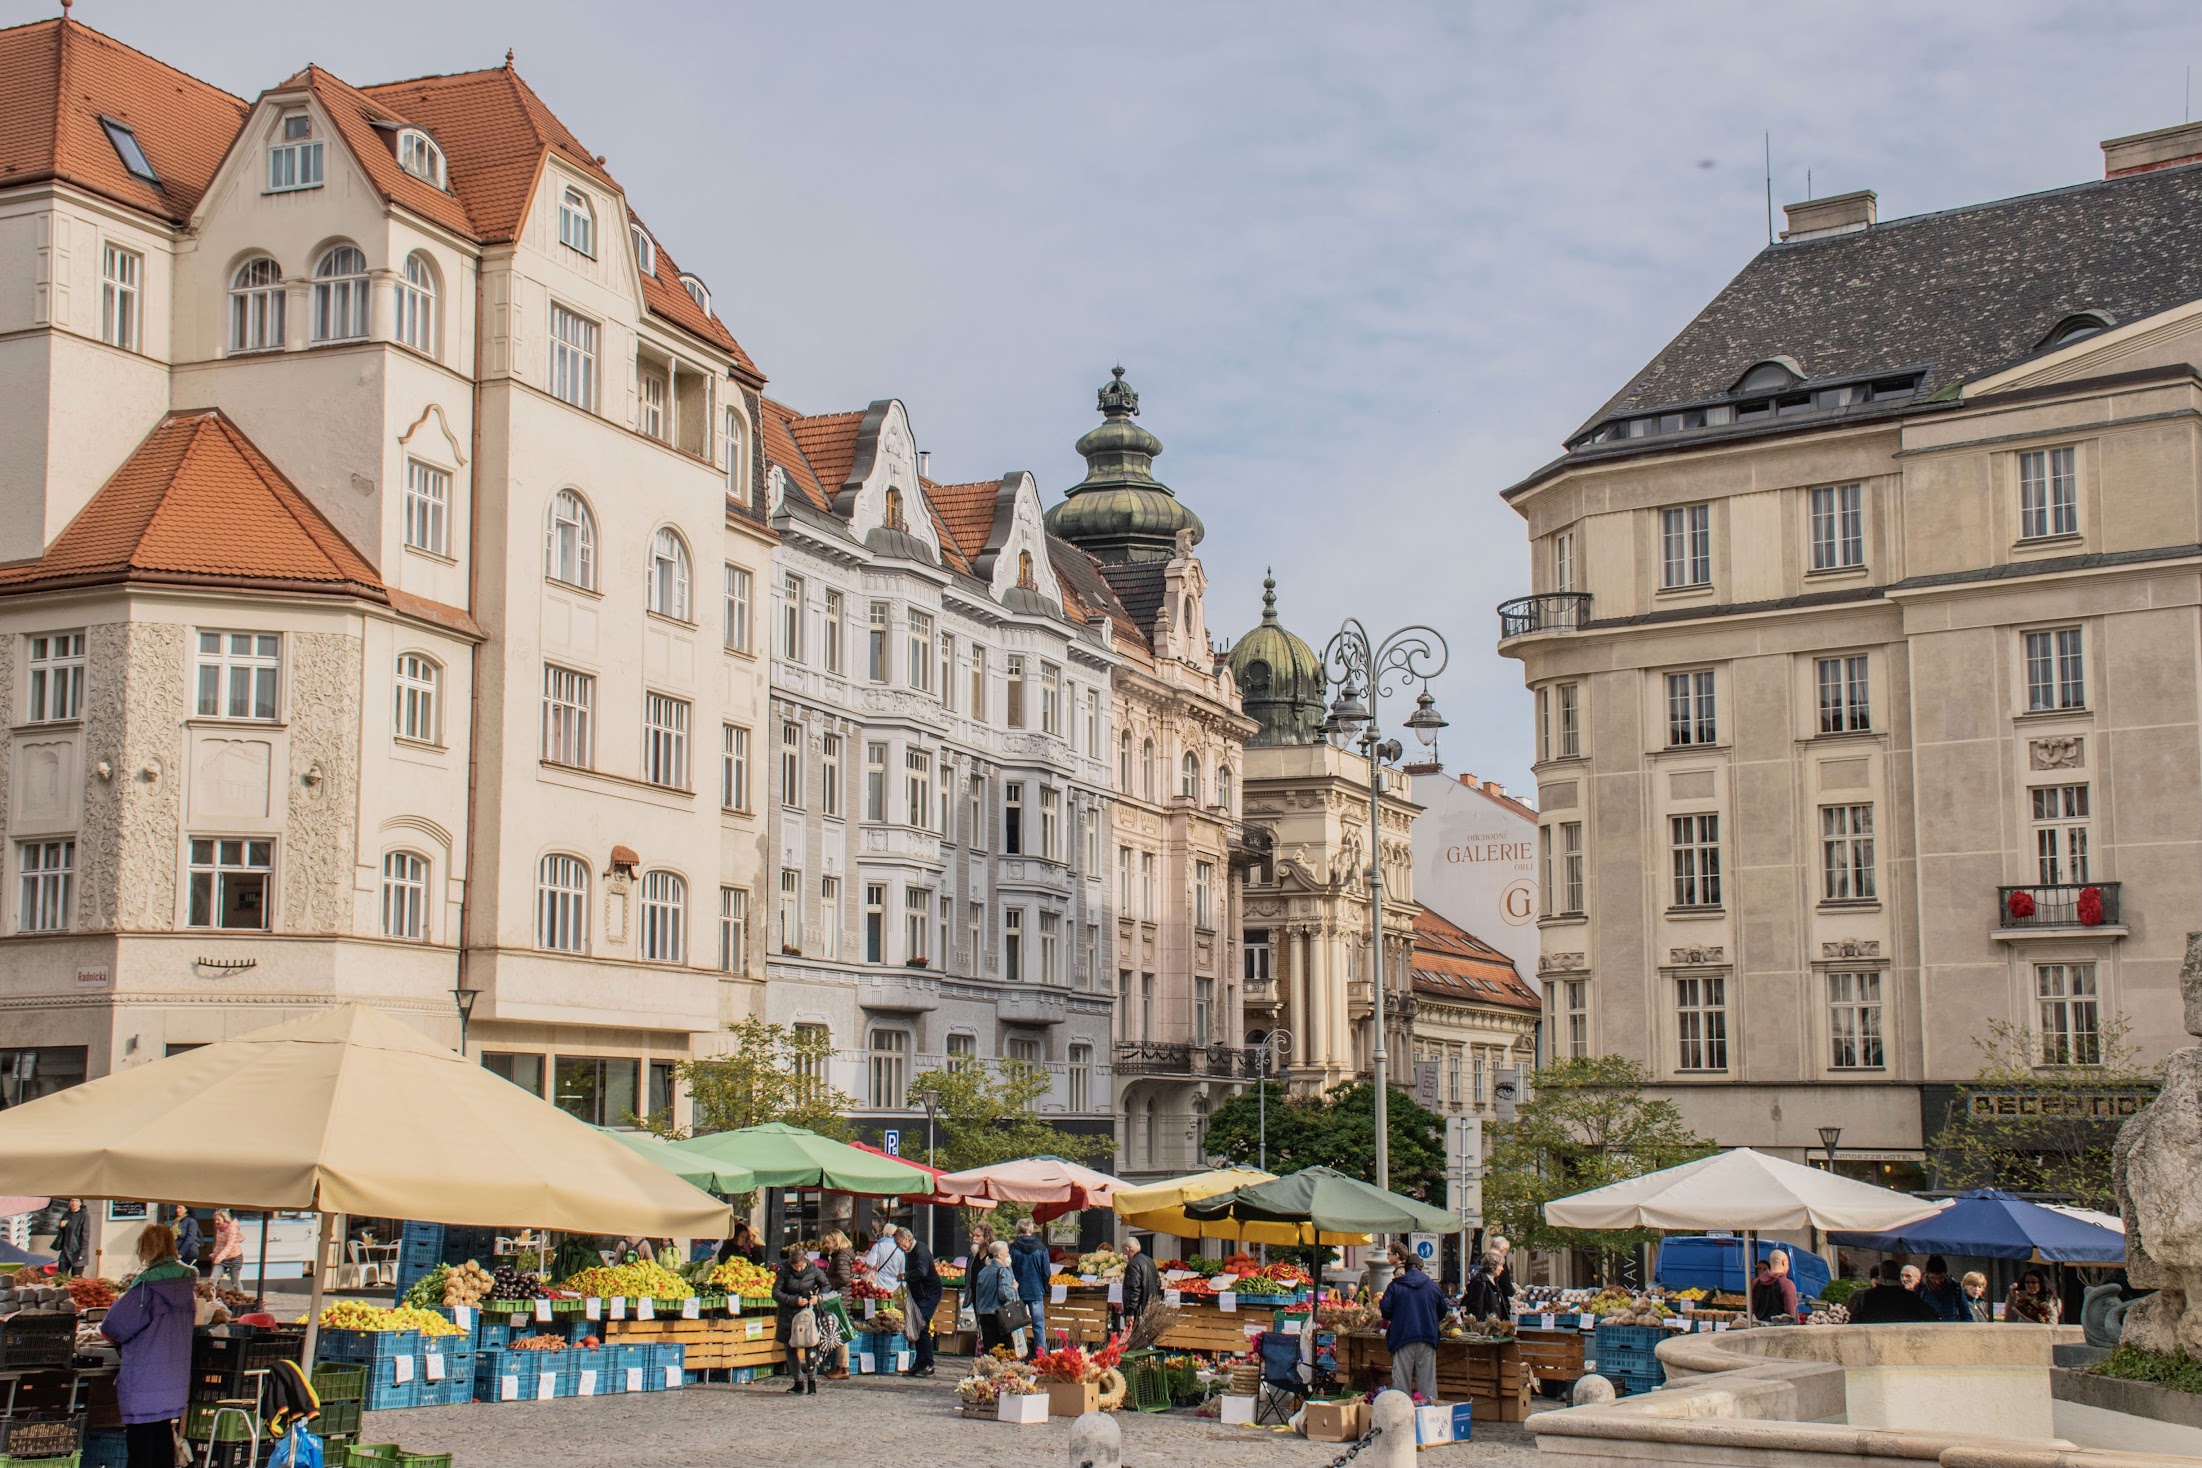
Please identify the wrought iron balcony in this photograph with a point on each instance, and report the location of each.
(1549, 611)
(1161, 1058)
(2059, 905)
(1251, 845)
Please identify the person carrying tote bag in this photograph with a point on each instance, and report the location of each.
(796, 1292)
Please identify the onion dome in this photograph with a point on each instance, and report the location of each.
(1281, 682)
(1120, 512)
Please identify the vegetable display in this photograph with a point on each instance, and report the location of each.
(510, 1284)
(638, 1280)
(93, 1294)
(740, 1277)
(357, 1315)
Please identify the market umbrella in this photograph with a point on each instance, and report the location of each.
(1742, 1190)
(1053, 1186)
(939, 1197)
(783, 1156)
(2100, 1219)
(697, 1172)
(1318, 1202)
(1161, 1208)
(343, 1111)
(1987, 1224)
(10, 1206)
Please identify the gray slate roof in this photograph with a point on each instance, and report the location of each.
(1961, 293)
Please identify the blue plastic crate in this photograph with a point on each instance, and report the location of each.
(105, 1447)
(390, 1397)
(364, 1346)
(1629, 1337)
(491, 1367)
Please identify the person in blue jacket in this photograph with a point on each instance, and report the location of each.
(151, 1328)
(1028, 1260)
(1412, 1306)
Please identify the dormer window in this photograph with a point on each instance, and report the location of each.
(697, 291)
(294, 161)
(646, 251)
(577, 222)
(127, 149)
(2074, 328)
(1770, 376)
(419, 156)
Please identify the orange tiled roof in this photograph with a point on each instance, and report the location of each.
(1452, 963)
(198, 503)
(664, 295)
(967, 510)
(951, 554)
(782, 449)
(369, 130)
(59, 77)
(828, 441)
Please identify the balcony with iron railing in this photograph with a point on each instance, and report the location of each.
(1251, 845)
(2060, 908)
(1548, 611)
(1162, 1058)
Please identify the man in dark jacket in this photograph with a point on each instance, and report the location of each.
(921, 1281)
(1142, 1282)
(187, 1238)
(1411, 1306)
(1889, 1304)
(1028, 1261)
(1941, 1292)
(73, 1238)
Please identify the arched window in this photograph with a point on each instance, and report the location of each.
(570, 555)
(1124, 760)
(1024, 570)
(340, 295)
(576, 222)
(646, 250)
(1147, 769)
(1189, 778)
(562, 904)
(737, 459)
(419, 156)
(1223, 788)
(697, 291)
(418, 677)
(256, 306)
(664, 918)
(416, 316)
(894, 517)
(405, 895)
(668, 575)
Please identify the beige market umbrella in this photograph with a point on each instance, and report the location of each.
(344, 1111)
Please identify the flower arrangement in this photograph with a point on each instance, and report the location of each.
(2020, 904)
(2090, 907)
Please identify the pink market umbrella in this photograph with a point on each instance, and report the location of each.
(11, 1205)
(940, 1197)
(1054, 1187)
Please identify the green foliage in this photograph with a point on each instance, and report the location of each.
(771, 1074)
(2179, 1371)
(2062, 1157)
(1337, 1130)
(1587, 1123)
(1839, 1291)
(983, 1117)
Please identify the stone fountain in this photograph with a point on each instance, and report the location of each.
(2157, 1169)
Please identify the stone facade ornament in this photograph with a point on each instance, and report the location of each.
(2157, 1170)
(1851, 948)
(1562, 963)
(1683, 957)
(2066, 753)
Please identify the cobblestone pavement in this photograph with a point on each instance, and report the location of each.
(868, 1422)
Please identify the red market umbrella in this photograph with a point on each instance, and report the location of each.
(940, 1196)
(1054, 1187)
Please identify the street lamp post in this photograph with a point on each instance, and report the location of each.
(1829, 1136)
(1353, 661)
(464, 998)
(1274, 1044)
(930, 1100)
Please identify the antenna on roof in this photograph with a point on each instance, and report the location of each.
(1768, 138)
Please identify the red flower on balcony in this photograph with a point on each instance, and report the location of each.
(2020, 905)
(2091, 907)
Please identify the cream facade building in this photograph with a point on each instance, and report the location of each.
(1864, 641)
(385, 538)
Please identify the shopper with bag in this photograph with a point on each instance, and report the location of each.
(151, 1328)
(921, 1282)
(796, 1292)
(1028, 1261)
(994, 1299)
(840, 1266)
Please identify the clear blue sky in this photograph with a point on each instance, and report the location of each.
(1365, 264)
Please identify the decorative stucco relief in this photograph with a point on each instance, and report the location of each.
(1713, 953)
(2066, 753)
(319, 842)
(1851, 948)
(133, 828)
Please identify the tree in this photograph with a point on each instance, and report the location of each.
(984, 1118)
(2043, 1129)
(773, 1073)
(1336, 1130)
(1587, 1123)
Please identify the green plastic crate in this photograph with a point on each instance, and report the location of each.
(424, 1460)
(335, 1382)
(68, 1462)
(211, 1420)
(337, 1419)
(1149, 1382)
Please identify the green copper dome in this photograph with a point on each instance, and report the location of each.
(1280, 679)
(1120, 511)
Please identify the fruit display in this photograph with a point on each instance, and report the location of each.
(236, 1302)
(639, 1280)
(510, 1284)
(93, 1294)
(1618, 1307)
(358, 1315)
(1064, 1279)
(538, 1343)
(889, 1320)
(1484, 1331)
(951, 1276)
(1830, 1315)
(1347, 1318)
(740, 1277)
(863, 1287)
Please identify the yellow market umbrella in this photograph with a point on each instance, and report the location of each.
(343, 1111)
(1160, 1208)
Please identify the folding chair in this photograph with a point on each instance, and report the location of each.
(1278, 1396)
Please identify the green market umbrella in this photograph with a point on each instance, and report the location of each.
(1319, 1198)
(782, 1156)
(698, 1172)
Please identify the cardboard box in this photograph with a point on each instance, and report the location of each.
(1238, 1411)
(1337, 1422)
(1432, 1425)
(1023, 1410)
(1073, 1398)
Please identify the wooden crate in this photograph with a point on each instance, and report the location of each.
(1493, 1376)
(1552, 1355)
(1084, 1310)
(767, 1352)
(1202, 1327)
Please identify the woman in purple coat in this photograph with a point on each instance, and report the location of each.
(151, 1328)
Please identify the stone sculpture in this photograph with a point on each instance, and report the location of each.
(2157, 1169)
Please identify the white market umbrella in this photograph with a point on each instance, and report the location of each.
(1742, 1190)
(2110, 1221)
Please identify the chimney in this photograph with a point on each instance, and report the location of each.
(1493, 787)
(925, 463)
(2146, 152)
(1836, 214)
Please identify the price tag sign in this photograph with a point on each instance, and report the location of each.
(1116, 1292)
(542, 1309)
(634, 1378)
(734, 1305)
(1224, 1281)
(1675, 1322)
(434, 1362)
(1685, 1306)
(619, 1307)
(463, 1316)
(1057, 1294)
(871, 1308)
(519, 1317)
(753, 1330)
(672, 1378)
(1227, 1302)
(1253, 1329)
(646, 1308)
(1292, 1327)
(546, 1386)
(1720, 1325)
(586, 1387)
(1089, 1279)
(1704, 1326)
(402, 1369)
(1173, 1297)
(1544, 1322)
(691, 1308)
(508, 1388)
(592, 1309)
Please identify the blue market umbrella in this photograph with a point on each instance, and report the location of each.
(1987, 1224)
(23, 1258)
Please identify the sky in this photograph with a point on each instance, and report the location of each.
(1367, 265)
